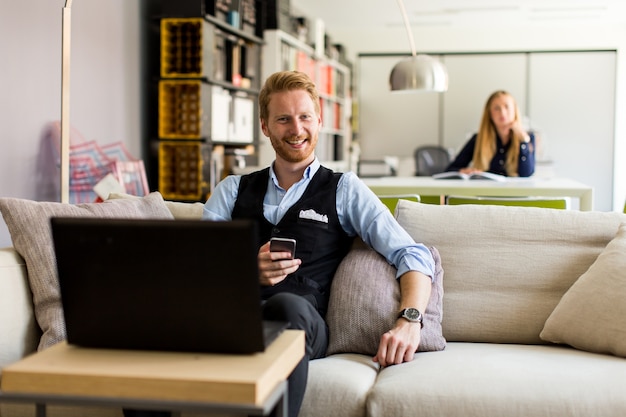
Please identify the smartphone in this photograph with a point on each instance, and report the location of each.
(283, 244)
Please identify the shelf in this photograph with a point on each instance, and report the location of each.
(203, 106)
(193, 109)
(221, 24)
(233, 30)
(184, 170)
(195, 47)
(180, 109)
(230, 86)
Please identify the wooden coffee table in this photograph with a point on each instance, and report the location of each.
(67, 374)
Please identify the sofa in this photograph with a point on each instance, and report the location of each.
(527, 316)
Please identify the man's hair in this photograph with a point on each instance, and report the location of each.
(286, 81)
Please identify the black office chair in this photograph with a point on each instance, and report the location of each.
(431, 159)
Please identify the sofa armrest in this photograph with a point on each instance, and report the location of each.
(19, 333)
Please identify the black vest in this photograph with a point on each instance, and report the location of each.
(312, 221)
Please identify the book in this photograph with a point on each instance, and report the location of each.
(456, 175)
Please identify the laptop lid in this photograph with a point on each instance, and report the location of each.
(173, 285)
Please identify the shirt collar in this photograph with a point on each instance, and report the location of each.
(309, 171)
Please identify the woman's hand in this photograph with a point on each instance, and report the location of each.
(469, 171)
(275, 266)
(517, 130)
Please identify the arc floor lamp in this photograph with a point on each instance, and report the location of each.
(65, 101)
(417, 72)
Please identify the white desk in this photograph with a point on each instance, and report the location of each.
(512, 187)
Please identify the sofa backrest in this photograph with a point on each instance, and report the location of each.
(506, 268)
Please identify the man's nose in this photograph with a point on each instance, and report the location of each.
(295, 127)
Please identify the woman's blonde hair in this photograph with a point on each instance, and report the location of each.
(286, 81)
(485, 147)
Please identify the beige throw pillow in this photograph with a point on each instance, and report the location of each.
(364, 304)
(29, 225)
(591, 316)
(179, 210)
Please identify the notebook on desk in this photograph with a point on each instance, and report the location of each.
(171, 285)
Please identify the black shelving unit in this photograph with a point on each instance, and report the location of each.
(202, 69)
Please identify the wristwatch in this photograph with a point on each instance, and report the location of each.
(413, 315)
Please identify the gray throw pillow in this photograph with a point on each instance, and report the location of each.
(29, 225)
(364, 304)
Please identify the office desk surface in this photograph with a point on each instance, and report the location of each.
(512, 187)
(74, 371)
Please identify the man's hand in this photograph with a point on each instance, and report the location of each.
(274, 267)
(399, 344)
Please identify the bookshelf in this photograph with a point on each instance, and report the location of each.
(283, 51)
(202, 105)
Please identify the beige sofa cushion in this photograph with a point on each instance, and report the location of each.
(178, 209)
(364, 304)
(506, 267)
(501, 380)
(338, 386)
(29, 225)
(592, 313)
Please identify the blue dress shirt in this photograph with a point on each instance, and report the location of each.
(360, 213)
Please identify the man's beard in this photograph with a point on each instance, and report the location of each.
(282, 148)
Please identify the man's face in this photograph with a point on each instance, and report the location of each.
(292, 125)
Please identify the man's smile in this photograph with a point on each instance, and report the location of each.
(296, 142)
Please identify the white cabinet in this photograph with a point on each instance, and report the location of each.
(284, 52)
(572, 103)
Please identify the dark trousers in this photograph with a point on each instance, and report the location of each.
(300, 312)
(302, 315)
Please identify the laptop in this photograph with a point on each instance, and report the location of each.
(168, 285)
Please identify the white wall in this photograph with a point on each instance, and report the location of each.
(105, 82)
(538, 38)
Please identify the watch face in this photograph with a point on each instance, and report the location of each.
(412, 314)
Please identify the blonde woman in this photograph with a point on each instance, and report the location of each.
(501, 145)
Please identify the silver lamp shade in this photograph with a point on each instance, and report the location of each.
(419, 72)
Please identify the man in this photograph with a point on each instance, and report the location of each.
(323, 211)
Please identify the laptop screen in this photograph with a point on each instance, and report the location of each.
(180, 285)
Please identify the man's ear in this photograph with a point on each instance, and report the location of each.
(264, 128)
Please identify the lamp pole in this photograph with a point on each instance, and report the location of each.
(65, 101)
(407, 26)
